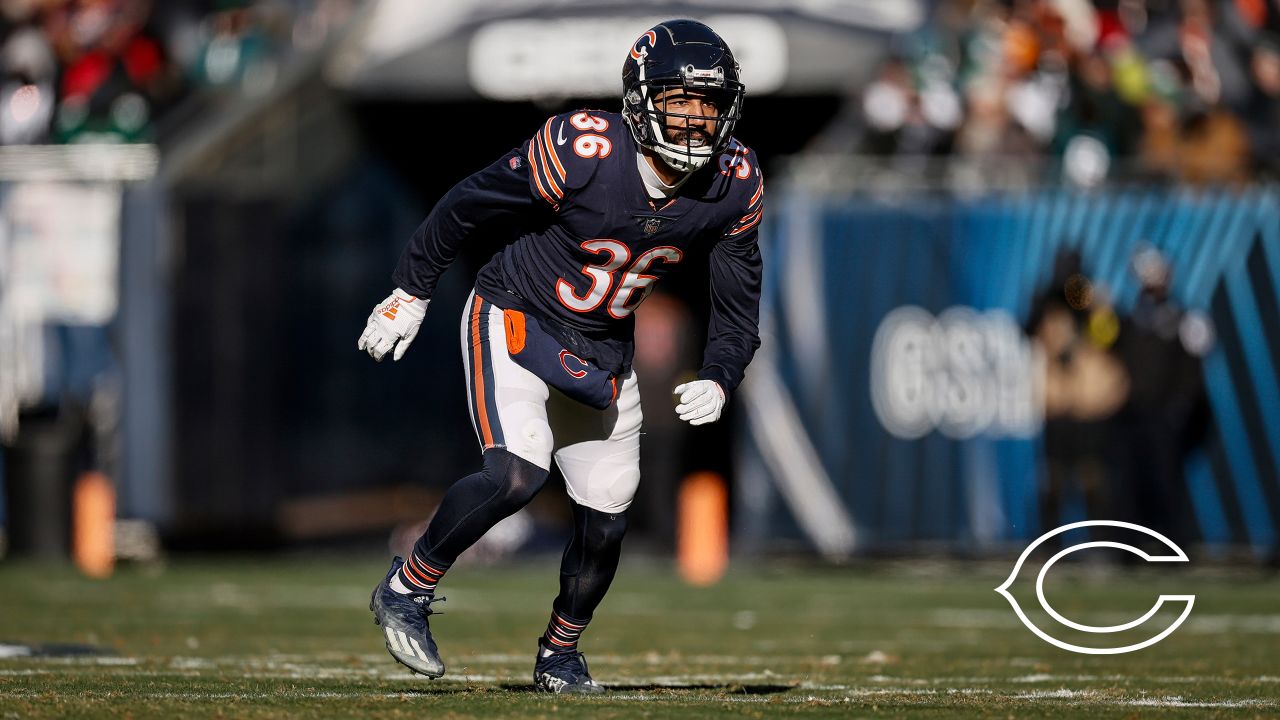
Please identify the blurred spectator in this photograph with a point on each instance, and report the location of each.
(236, 47)
(1084, 385)
(1263, 111)
(1206, 39)
(27, 94)
(1167, 411)
(70, 428)
(910, 115)
(1215, 149)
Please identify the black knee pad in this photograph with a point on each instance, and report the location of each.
(518, 479)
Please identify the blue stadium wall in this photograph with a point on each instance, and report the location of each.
(995, 253)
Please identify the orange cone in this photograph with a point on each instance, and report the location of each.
(702, 533)
(93, 518)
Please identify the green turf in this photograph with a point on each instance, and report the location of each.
(290, 638)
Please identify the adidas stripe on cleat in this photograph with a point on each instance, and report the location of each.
(400, 643)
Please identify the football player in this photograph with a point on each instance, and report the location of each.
(608, 204)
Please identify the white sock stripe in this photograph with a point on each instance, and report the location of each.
(391, 640)
(563, 638)
(425, 568)
(407, 575)
(418, 583)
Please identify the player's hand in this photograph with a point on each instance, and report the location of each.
(701, 401)
(392, 324)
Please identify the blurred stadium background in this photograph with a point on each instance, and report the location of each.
(1023, 262)
(1023, 268)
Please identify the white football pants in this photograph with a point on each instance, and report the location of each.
(508, 404)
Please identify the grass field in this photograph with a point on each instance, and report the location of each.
(293, 638)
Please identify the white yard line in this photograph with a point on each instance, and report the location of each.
(1176, 701)
(1059, 694)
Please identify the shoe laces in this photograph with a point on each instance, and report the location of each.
(425, 602)
(572, 662)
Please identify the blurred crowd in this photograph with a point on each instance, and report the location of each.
(112, 70)
(1185, 90)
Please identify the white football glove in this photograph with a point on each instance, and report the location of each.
(701, 401)
(392, 324)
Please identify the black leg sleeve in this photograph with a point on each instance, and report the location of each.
(478, 502)
(590, 561)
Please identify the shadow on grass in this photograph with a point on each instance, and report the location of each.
(53, 650)
(726, 688)
(730, 688)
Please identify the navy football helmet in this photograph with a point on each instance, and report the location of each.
(680, 54)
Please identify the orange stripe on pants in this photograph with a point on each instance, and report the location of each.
(477, 367)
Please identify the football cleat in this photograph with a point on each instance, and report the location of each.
(404, 623)
(563, 672)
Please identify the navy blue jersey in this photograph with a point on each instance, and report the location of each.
(593, 243)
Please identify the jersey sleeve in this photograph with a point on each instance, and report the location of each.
(563, 153)
(495, 193)
(753, 209)
(733, 333)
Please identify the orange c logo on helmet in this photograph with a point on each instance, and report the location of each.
(638, 52)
